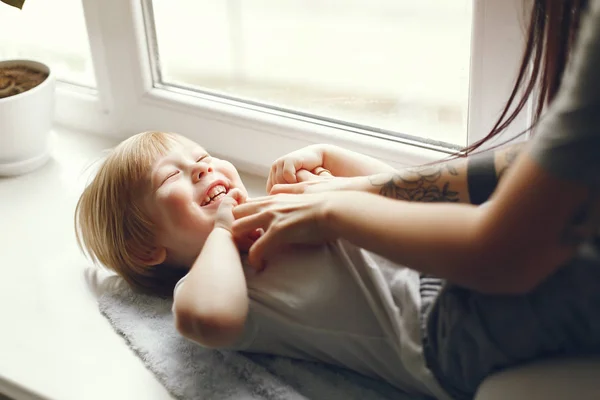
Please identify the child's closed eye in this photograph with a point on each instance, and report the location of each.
(169, 176)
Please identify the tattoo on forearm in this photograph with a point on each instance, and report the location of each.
(425, 184)
(585, 221)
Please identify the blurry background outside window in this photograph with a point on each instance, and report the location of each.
(396, 65)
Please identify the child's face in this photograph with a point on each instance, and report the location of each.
(187, 186)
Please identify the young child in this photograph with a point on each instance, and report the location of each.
(159, 211)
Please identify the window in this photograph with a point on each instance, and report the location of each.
(402, 80)
(53, 32)
(396, 66)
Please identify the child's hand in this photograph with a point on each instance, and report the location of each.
(224, 218)
(285, 169)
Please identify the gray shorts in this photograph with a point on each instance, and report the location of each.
(467, 336)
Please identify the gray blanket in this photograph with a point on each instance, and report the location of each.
(189, 371)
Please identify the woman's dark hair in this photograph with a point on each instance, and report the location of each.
(552, 30)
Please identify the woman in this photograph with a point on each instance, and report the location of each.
(523, 272)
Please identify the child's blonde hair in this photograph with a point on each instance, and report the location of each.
(110, 222)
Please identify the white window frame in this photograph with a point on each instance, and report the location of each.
(126, 100)
(498, 40)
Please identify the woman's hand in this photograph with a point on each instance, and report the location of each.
(284, 169)
(311, 183)
(286, 220)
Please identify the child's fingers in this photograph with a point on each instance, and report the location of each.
(304, 175)
(272, 176)
(270, 181)
(237, 195)
(224, 217)
(278, 175)
(289, 171)
(226, 208)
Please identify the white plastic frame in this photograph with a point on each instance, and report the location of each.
(128, 101)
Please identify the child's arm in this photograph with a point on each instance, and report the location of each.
(347, 163)
(211, 305)
(339, 161)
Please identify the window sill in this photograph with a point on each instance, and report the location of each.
(245, 135)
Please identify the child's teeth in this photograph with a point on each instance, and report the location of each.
(216, 190)
(213, 194)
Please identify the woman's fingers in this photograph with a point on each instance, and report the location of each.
(321, 172)
(250, 222)
(284, 219)
(308, 182)
(263, 248)
(251, 206)
(245, 242)
(295, 188)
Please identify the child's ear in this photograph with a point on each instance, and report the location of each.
(150, 256)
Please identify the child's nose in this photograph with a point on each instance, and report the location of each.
(200, 170)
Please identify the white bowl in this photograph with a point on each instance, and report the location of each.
(25, 123)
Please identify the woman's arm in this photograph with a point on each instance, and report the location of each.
(211, 305)
(508, 247)
(461, 180)
(347, 163)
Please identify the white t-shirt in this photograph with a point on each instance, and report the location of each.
(344, 306)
